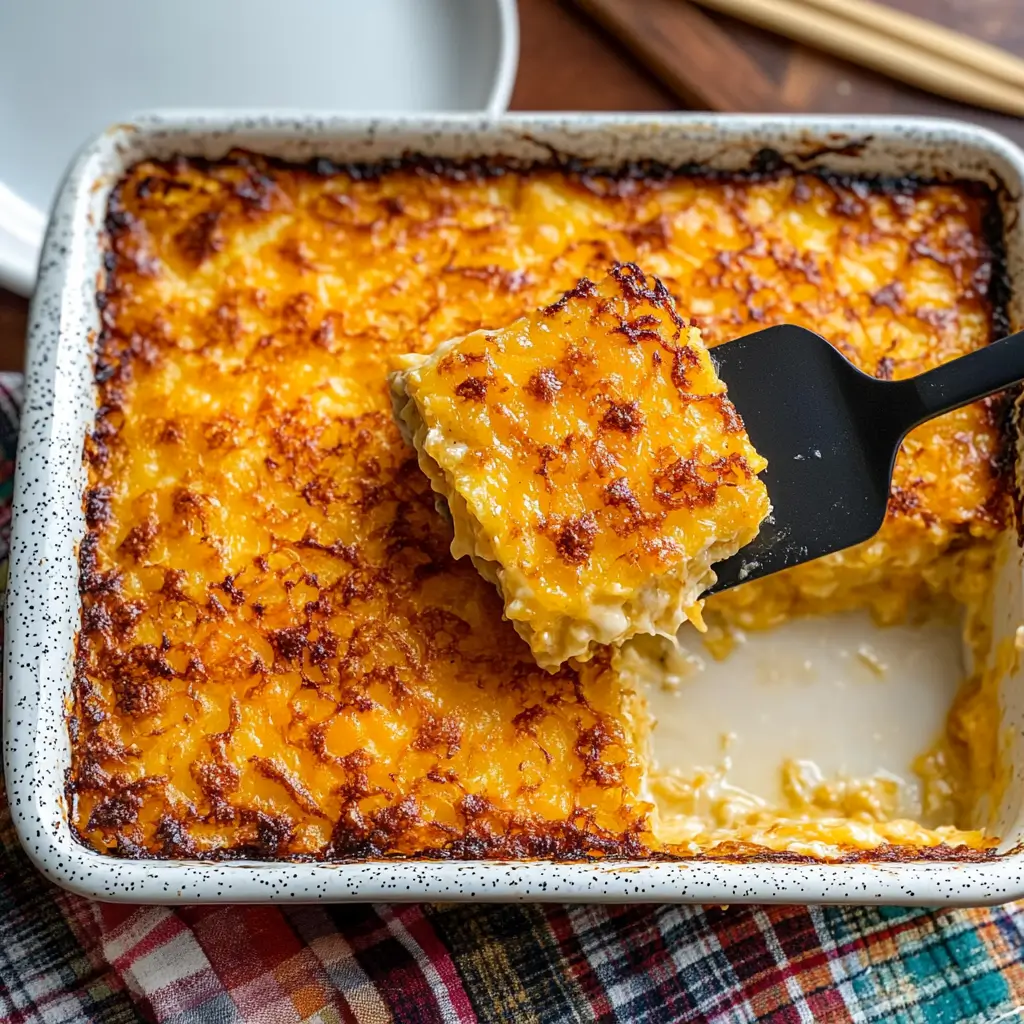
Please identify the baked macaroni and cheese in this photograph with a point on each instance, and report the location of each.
(592, 464)
(279, 656)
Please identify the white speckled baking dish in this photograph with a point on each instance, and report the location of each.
(43, 609)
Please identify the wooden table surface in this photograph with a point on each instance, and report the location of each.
(566, 63)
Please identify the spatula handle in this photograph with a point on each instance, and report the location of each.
(964, 380)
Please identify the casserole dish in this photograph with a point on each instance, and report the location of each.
(44, 610)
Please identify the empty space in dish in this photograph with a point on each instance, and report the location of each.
(853, 698)
(44, 571)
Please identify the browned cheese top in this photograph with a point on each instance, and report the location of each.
(278, 655)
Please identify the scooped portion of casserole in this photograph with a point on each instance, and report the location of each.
(279, 656)
(592, 464)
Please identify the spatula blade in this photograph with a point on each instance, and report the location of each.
(821, 424)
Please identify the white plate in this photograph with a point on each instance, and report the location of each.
(69, 69)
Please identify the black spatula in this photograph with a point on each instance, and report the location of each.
(831, 433)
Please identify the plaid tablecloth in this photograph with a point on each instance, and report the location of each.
(63, 958)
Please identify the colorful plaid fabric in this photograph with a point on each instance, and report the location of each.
(63, 958)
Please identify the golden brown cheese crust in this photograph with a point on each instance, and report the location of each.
(591, 460)
(278, 655)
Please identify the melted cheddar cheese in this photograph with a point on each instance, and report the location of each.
(278, 655)
(592, 463)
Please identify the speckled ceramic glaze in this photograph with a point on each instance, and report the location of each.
(43, 605)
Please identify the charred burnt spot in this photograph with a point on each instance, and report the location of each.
(91, 777)
(544, 385)
(296, 252)
(348, 553)
(91, 579)
(365, 583)
(173, 587)
(257, 187)
(592, 745)
(636, 288)
(202, 237)
(602, 459)
(884, 368)
(242, 175)
(451, 360)
(229, 588)
(296, 314)
(501, 279)
(546, 454)
(99, 441)
(322, 492)
(325, 336)
(993, 230)
(114, 812)
(190, 507)
(174, 838)
(885, 853)
(140, 698)
(148, 658)
(1001, 408)
(490, 833)
(684, 359)
(222, 432)
(619, 493)
(622, 180)
(652, 235)
(646, 327)
(576, 361)
(288, 643)
(691, 483)
(271, 768)
(583, 289)
(439, 732)
(159, 186)
(574, 539)
(118, 219)
(624, 418)
(171, 432)
(939, 319)
(472, 389)
(892, 296)
(732, 422)
(139, 540)
(274, 834)
(355, 765)
(391, 829)
(1006, 503)
(526, 721)
(323, 649)
(98, 747)
(629, 514)
(126, 848)
(906, 501)
(90, 709)
(97, 507)
(121, 809)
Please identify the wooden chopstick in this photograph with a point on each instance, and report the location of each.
(808, 21)
(689, 53)
(926, 35)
